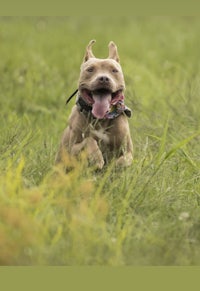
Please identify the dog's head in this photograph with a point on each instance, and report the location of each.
(101, 80)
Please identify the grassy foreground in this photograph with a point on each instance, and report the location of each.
(148, 214)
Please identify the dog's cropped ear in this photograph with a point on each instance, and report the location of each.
(113, 54)
(89, 53)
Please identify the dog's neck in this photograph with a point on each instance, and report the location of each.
(117, 108)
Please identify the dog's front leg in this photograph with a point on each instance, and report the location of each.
(74, 141)
(90, 146)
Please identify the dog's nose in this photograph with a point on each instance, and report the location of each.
(104, 79)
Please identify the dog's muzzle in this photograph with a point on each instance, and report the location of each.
(102, 104)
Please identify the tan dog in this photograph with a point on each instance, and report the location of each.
(98, 123)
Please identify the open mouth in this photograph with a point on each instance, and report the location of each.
(88, 95)
(101, 100)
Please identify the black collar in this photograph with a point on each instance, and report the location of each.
(83, 106)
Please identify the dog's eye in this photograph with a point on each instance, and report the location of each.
(90, 69)
(115, 70)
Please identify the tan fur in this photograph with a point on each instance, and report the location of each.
(101, 139)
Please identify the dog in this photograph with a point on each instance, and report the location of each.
(98, 123)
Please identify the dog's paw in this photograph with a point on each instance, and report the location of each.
(96, 160)
(125, 160)
(98, 165)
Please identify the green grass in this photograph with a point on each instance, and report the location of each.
(148, 214)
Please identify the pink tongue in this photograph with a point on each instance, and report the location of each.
(101, 105)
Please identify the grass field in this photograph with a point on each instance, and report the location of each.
(148, 214)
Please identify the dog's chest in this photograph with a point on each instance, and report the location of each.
(99, 130)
